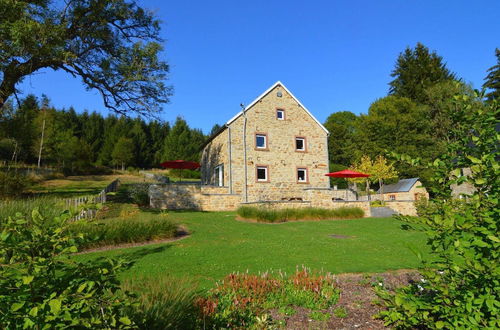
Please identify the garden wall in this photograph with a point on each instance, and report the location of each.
(403, 207)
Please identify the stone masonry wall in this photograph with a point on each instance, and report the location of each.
(402, 207)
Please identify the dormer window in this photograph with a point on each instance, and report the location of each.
(280, 114)
(300, 143)
(261, 141)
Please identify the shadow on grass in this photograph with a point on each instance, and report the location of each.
(142, 252)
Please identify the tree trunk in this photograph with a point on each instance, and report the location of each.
(368, 190)
(123, 166)
(381, 188)
(41, 141)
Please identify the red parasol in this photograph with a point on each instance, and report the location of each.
(347, 174)
(180, 165)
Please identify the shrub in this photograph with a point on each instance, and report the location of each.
(139, 193)
(13, 184)
(377, 203)
(185, 174)
(263, 214)
(41, 288)
(244, 300)
(140, 228)
(460, 286)
(164, 303)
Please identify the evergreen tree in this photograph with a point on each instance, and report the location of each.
(493, 79)
(216, 128)
(157, 134)
(182, 142)
(139, 138)
(417, 69)
(123, 152)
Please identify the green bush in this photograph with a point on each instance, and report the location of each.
(40, 287)
(461, 284)
(13, 184)
(185, 174)
(245, 300)
(377, 203)
(164, 303)
(263, 214)
(139, 193)
(139, 228)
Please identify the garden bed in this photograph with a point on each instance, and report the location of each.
(262, 214)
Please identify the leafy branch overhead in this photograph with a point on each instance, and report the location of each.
(112, 45)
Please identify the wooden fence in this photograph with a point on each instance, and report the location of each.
(89, 213)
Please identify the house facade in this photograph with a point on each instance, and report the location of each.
(272, 150)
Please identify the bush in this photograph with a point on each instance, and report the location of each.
(139, 193)
(41, 288)
(461, 283)
(185, 174)
(263, 214)
(127, 230)
(13, 184)
(377, 203)
(164, 303)
(244, 300)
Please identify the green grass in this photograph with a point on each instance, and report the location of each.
(47, 206)
(264, 214)
(220, 245)
(133, 229)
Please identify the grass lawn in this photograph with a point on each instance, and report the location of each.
(82, 185)
(220, 245)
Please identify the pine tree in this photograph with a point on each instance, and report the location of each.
(417, 69)
(493, 79)
(123, 152)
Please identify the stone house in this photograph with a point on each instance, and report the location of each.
(273, 149)
(404, 190)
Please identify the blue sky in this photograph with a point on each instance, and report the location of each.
(333, 55)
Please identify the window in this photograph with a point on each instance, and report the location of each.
(261, 173)
(260, 141)
(302, 175)
(392, 197)
(219, 175)
(280, 114)
(300, 143)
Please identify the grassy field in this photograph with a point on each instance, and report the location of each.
(220, 245)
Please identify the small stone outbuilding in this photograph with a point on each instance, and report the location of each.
(404, 190)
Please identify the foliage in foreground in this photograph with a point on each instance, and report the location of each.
(41, 286)
(48, 207)
(460, 289)
(139, 228)
(262, 214)
(164, 303)
(244, 300)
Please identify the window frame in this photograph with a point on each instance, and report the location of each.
(260, 166)
(392, 197)
(219, 175)
(282, 111)
(304, 143)
(266, 140)
(306, 170)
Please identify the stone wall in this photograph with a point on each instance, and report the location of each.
(402, 207)
(192, 197)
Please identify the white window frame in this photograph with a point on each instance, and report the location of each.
(304, 169)
(266, 171)
(303, 143)
(219, 175)
(265, 140)
(282, 112)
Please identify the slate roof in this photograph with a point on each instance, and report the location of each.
(404, 185)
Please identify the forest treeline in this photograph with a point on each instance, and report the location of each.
(413, 119)
(85, 142)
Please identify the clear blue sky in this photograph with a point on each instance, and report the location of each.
(333, 55)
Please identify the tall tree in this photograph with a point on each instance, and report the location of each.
(399, 125)
(342, 126)
(417, 69)
(182, 142)
(493, 79)
(123, 152)
(112, 46)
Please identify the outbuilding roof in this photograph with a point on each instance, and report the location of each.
(403, 185)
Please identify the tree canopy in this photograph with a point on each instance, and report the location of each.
(417, 69)
(113, 46)
(493, 79)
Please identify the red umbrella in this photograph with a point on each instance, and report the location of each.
(347, 174)
(180, 165)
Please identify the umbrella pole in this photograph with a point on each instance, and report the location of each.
(346, 189)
